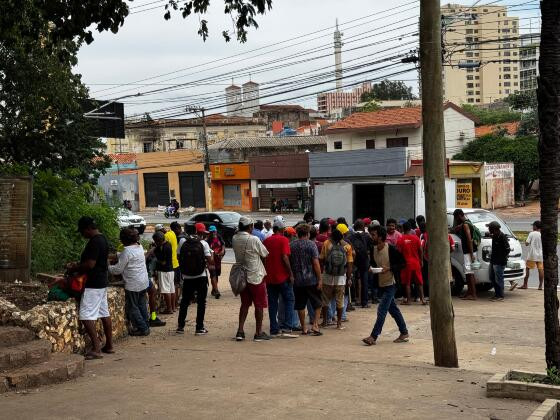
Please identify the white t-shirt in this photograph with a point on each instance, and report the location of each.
(535, 246)
(132, 266)
(207, 253)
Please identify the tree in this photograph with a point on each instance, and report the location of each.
(526, 102)
(522, 151)
(548, 95)
(388, 90)
(492, 116)
(371, 106)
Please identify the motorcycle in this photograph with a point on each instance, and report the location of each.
(171, 212)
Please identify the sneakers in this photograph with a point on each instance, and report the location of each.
(496, 299)
(261, 337)
(240, 336)
(139, 333)
(201, 331)
(180, 330)
(157, 323)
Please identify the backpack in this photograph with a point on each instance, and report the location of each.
(358, 242)
(335, 264)
(475, 234)
(191, 259)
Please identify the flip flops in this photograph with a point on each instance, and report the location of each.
(93, 356)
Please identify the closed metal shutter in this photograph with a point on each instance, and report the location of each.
(192, 189)
(156, 189)
(232, 195)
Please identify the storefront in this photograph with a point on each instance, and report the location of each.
(282, 179)
(231, 186)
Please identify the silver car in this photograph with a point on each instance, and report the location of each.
(126, 218)
(515, 269)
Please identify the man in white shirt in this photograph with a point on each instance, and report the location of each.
(194, 258)
(249, 251)
(267, 230)
(534, 254)
(132, 266)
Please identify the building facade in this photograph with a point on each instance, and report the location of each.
(231, 186)
(399, 127)
(482, 34)
(529, 58)
(121, 181)
(329, 101)
(278, 117)
(167, 135)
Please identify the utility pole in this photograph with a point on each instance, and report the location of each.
(441, 307)
(548, 96)
(207, 176)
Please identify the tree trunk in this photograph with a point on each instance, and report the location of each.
(441, 307)
(548, 95)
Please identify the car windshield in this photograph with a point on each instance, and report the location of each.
(230, 217)
(481, 219)
(125, 213)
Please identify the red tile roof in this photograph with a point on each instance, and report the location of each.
(386, 119)
(510, 127)
(122, 157)
(282, 107)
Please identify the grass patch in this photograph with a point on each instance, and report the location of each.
(522, 236)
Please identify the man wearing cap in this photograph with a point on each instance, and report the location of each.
(93, 303)
(279, 278)
(498, 259)
(249, 251)
(195, 256)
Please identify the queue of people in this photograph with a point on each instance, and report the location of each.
(317, 268)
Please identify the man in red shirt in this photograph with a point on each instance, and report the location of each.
(323, 235)
(410, 247)
(279, 277)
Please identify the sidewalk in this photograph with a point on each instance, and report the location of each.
(333, 376)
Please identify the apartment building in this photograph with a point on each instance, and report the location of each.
(487, 35)
(328, 102)
(528, 66)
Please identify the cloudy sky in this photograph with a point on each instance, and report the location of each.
(290, 55)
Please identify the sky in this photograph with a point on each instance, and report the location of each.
(290, 55)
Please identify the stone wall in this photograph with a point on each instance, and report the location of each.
(58, 321)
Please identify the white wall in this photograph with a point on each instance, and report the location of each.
(334, 199)
(450, 195)
(357, 141)
(459, 131)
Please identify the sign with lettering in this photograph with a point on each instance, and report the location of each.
(229, 172)
(498, 170)
(15, 228)
(464, 194)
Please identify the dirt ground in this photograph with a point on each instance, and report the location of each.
(531, 209)
(333, 376)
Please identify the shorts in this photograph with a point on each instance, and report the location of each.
(411, 273)
(468, 262)
(255, 294)
(166, 280)
(93, 305)
(535, 264)
(217, 271)
(333, 292)
(177, 276)
(303, 294)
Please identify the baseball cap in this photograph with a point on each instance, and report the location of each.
(279, 224)
(291, 231)
(342, 228)
(279, 218)
(200, 228)
(245, 221)
(159, 226)
(375, 223)
(212, 229)
(494, 225)
(85, 222)
(367, 221)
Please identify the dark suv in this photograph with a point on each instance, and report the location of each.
(225, 221)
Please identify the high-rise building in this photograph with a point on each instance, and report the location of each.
(483, 34)
(529, 58)
(250, 99)
(330, 101)
(234, 100)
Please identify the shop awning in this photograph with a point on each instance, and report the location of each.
(290, 185)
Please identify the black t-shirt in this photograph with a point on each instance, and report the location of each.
(97, 249)
(164, 257)
(500, 249)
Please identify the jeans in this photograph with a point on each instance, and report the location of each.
(388, 304)
(497, 279)
(363, 277)
(274, 292)
(136, 311)
(190, 286)
(331, 310)
(287, 320)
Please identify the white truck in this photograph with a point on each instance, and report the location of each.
(515, 269)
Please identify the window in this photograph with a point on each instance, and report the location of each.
(179, 144)
(477, 100)
(370, 144)
(507, 68)
(470, 100)
(507, 76)
(470, 92)
(232, 195)
(469, 77)
(507, 91)
(476, 77)
(477, 92)
(337, 145)
(469, 54)
(477, 85)
(469, 31)
(507, 84)
(515, 83)
(469, 85)
(397, 142)
(506, 22)
(148, 147)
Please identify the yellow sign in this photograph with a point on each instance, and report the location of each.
(464, 195)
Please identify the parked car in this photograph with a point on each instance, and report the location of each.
(225, 221)
(126, 218)
(515, 269)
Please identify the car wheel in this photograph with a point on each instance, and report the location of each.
(141, 229)
(458, 283)
(177, 215)
(166, 215)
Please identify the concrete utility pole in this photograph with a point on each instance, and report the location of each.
(207, 176)
(441, 307)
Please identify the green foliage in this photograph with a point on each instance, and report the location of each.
(388, 90)
(527, 103)
(58, 204)
(522, 151)
(492, 116)
(371, 106)
(553, 374)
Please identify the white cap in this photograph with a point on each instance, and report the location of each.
(279, 224)
(159, 226)
(245, 221)
(279, 218)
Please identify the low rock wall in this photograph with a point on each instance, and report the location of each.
(58, 321)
